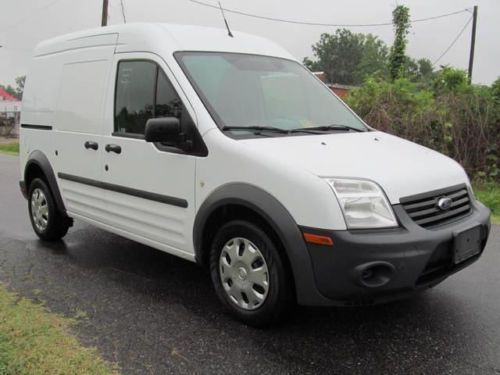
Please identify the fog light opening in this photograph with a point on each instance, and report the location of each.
(374, 274)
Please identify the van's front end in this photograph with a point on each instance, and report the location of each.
(389, 250)
(405, 216)
(379, 217)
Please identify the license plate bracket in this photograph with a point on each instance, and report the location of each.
(466, 244)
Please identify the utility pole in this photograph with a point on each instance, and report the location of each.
(104, 20)
(472, 43)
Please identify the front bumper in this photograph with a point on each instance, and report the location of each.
(401, 260)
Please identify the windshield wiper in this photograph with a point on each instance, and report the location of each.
(256, 129)
(312, 130)
(327, 128)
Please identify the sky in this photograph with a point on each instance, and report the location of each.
(24, 23)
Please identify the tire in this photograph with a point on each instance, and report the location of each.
(48, 223)
(251, 252)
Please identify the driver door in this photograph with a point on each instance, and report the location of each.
(149, 188)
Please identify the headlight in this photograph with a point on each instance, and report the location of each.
(363, 203)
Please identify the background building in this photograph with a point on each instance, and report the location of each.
(10, 114)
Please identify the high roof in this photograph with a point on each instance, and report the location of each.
(163, 38)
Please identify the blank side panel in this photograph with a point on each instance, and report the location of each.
(81, 97)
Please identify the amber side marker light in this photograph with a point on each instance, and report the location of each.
(317, 239)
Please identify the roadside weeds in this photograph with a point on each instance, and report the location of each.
(34, 341)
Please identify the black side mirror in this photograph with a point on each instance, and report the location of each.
(163, 129)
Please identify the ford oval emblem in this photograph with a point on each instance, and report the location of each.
(444, 203)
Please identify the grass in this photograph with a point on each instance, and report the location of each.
(489, 195)
(10, 148)
(34, 341)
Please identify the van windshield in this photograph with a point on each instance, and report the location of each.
(243, 91)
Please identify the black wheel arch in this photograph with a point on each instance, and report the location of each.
(38, 165)
(264, 207)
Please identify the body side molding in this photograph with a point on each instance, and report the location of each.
(173, 201)
(37, 127)
(280, 221)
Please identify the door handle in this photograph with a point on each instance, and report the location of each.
(113, 148)
(92, 145)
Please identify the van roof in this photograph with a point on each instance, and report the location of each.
(162, 38)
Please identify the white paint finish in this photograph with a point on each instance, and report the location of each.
(165, 39)
(400, 167)
(78, 119)
(307, 198)
(73, 158)
(154, 171)
(83, 199)
(146, 241)
(76, 41)
(41, 92)
(67, 91)
(143, 167)
(82, 88)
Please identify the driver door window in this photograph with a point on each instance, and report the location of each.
(142, 92)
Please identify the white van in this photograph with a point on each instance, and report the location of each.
(227, 152)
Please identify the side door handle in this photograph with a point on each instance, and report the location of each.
(113, 148)
(92, 145)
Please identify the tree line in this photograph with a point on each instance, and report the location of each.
(409, 98)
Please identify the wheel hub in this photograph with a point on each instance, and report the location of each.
(39, 209)
(244, 273)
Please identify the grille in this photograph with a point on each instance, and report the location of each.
(423, 208)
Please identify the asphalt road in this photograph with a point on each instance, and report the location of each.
(153, 313)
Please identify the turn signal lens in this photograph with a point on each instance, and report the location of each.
(317, 239)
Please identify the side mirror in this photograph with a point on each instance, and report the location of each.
(166, 129)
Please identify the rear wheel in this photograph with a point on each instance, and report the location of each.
(48, 223)
(248, 273)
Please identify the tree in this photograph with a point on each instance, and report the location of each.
(20, 86)
(425, 69)
(418, 70)
(398, 59)
(495, 89)
(348, 57)
(313, 66)
(450, 80)
(373, 60)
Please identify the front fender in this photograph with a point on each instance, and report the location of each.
(280, 220)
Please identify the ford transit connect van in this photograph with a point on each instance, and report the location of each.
(227, 152)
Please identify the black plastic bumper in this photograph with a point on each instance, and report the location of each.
(365, 267)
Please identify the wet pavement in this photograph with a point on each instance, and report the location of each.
(153, 313)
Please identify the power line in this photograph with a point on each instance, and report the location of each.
(319, 23)
(453, 42)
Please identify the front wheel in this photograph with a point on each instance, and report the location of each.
(248, 273)
(48, 223)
